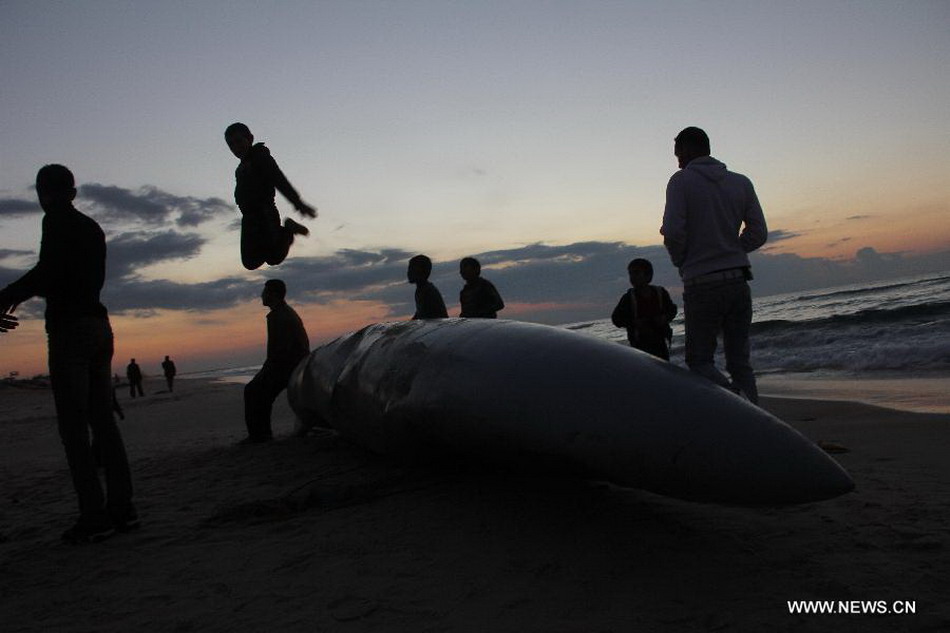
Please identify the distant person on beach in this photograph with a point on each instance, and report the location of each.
(263, 239)
(429, 302)
(646, 312)
(711, 222)
(134, 374)
(287, 345)
(168, 368)
(70, 275)
(479, 297)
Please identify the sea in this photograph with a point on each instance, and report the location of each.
(885, 343)
(890, 327)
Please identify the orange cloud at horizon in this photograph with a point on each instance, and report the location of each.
(921, 230)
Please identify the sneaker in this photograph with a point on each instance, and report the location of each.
(296, 227)
(88, 532)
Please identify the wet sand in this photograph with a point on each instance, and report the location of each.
(313, 534)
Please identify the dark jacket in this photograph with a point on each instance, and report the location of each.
(646, 316)
(429, 302)
(480, 299)
(257, 177)
(133, 372)
(287, 341)
(70, 271)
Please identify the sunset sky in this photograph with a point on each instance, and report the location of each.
(535, 135)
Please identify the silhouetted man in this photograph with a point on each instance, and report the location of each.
(134, 373)
(429, 302)
(263, 239)
(479, 298)
(70, 274)
(287, 345)
(712, 221)
(168, 368)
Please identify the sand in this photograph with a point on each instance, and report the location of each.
(313, 534)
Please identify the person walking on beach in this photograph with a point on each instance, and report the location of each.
(70, 275)
(479, 298)
(712, 220)
(168, 368)
(134, 373)
(645, 311)
(287, 345)
(429, 302)
(263, 239)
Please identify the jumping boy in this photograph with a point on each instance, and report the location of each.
(646, 311)
(429, 302)
(263, 239)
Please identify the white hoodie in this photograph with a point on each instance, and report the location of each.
(706, 205)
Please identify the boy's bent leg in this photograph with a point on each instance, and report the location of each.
(259, 396)
(281, 246)
(253, 244)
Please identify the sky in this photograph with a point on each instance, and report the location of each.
(534, 135)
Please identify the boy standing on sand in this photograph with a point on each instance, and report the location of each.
(645, 311)
(70, 274)
(479, 297)
(429, 302)
(263, 239)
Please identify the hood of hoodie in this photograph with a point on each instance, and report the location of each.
(257, 149)
(710, 168)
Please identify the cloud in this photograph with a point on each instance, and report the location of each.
(137, 296)
(779, 235)
(839, 242)
(348, 273)
(129, 252)
(777, 274)
(152, 206)
(17, 207)
(572, 277)
(541, 282)
(868, 254)
(6, 253)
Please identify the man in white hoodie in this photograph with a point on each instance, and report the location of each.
(711, 222)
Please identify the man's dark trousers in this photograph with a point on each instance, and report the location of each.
(259, 396)
(80, 359)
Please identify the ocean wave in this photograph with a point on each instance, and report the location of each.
(901, 286)
(927, 312)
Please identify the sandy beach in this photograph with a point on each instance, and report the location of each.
(314, 534)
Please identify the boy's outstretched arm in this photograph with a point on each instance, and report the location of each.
(287, 190)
